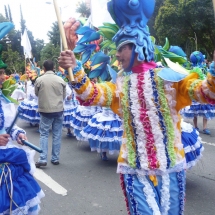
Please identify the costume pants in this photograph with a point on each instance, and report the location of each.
(144, 198)
(45, 125)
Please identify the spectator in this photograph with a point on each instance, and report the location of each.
(51, 91)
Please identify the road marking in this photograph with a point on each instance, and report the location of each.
(211, 144)
(49, 182)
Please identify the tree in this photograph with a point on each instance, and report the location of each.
(14, 61)
(50, 52)
(12, 38)
(54, 34)
(181, 19)
(10, 16)
(83, 9)
(6, 13)
(22, 22)
(151, 22)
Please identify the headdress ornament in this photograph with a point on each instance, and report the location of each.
(132, 17)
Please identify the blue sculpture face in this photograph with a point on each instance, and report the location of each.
(197, 58)
(132, 17)
(133, 12)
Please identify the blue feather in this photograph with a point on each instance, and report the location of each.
(98, 58)
(5, 28)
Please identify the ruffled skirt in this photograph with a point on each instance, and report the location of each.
(207, 111)
(82, 116)
(68, 113)
(29, 111)
(193, 147)
(16, 169)
(104, 132)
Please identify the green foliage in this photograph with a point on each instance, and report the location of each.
(181, 19)
(50, 52)
(83, 9)
(14, 61)
(54, 34)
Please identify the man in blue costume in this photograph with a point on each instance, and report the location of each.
(152, 160)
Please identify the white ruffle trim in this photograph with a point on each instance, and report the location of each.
(106, 127)
(111, 152)
(149, 194)
(165, 195)
(102, 139)
(193, 163)
(135, 110)
(154, 121)
(29, 204)
(171, 97)
(124, 168)
(207, 91)
(86, 93)
(102, 98)
(186, 127)
(193, 148)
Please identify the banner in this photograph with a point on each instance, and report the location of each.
(25, 42)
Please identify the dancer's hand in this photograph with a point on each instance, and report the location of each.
(21, 136)
(4, 138)
(69, 97)
(67, 60)
(70, 28)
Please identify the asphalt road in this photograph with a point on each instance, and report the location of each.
(94, 187)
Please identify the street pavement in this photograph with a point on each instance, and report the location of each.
(93, 187)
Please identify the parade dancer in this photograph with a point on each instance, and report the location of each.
(19, 191)
(152, 160)
(207, 111)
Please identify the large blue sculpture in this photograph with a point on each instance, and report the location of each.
(132, 17)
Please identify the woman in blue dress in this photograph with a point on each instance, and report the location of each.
(19, 191)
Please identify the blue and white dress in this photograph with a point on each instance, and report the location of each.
(16, 170)
(207, 111)
(82, 116)
(70, 107)
(29, 107)
(104, 132)
(193, 147)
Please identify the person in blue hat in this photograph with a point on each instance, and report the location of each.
(152, 159)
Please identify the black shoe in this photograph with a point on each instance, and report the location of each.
(55, 162)
(39, 164)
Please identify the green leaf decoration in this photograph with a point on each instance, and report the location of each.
(173, 57)
(12, 100)
(6, 92)
(12, 88)
(113, 60)
(153, 39)
(112, 46)
(6, 84)
(108, 33)
(114, 26)
(105, 44)
(166, 46)
(156, 50)
(112, 52)
(107, 29)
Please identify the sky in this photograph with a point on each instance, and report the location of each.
(38, 15)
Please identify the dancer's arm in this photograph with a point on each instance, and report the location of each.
(89, 94)
(192, 88)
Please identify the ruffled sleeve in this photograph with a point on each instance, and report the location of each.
(194, 88)
(90, 94)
